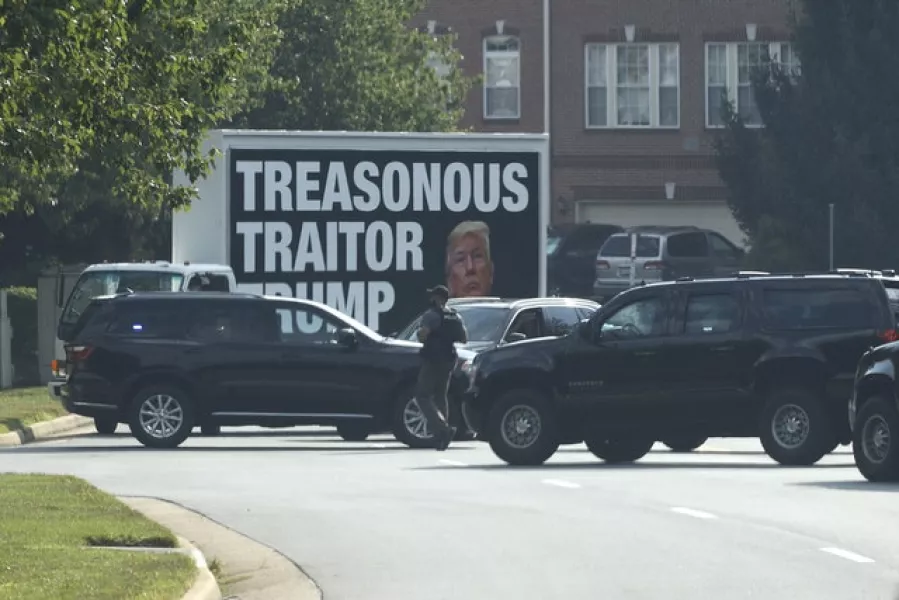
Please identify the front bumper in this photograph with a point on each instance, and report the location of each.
(55, 389)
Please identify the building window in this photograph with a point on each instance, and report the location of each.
(632, 85)
(502, 77)
(729, 73)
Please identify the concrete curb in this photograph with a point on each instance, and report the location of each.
(43, 431)
(205, 587)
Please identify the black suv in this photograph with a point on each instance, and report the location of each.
(166, 362)
(874, 414)
(768, 356)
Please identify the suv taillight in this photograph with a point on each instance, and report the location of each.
(76, 354)
(890, 335)
(655, 265)
(603, 265)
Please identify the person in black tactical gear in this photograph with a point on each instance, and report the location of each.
(441, 328)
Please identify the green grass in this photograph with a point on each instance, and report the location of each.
(22, 407)
(51, 528)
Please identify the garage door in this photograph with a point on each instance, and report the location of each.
(708, 215)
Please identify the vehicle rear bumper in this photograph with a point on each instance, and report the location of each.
(90, 398)
(54, 388)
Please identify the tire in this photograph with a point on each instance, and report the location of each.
(105, 425)
(874, 441)
(210, 429)
(619, 451)
(684, 443)
(408, 423)
(178, 405)
(528, 409)
(795, 430)
(354, 431)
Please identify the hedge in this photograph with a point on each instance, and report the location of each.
(22, 307)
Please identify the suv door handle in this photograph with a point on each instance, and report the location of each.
(723, 349)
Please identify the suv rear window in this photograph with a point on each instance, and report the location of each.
(145, 319)
(619, 246)
(818, 308)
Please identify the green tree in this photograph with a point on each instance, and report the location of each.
(356, 65)
(103, 95)
(830, 135)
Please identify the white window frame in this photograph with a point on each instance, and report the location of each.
(501, 55)
(611, 55)
(732, 73)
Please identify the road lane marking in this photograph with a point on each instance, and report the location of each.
(561, 483)
(380, 446)
(847, 555)
(452, 463)
(698, 514)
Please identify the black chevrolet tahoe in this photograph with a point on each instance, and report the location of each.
(772, 357)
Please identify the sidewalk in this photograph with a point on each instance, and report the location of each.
(248, 570)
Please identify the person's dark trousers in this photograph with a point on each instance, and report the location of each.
(433, 385)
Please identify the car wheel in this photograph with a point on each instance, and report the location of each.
(211, 429)
(105, 425)
(795, 428)
(409, 423)
(161, 416)
(684, 443)
(619, 450)
(522, 428)
(354, 431)
(874, 444)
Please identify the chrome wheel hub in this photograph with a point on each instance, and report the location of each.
(790, 426)
(161, 416)
(521, 426)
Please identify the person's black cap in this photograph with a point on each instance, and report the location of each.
(439, 290)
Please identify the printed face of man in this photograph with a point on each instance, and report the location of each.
(470, 271)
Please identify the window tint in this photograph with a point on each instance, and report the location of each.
(722, 248)
(643, 318)
(712, 313)
(585, 312)
(143, 319)
(231, 322)
(526, 322)
(810, 308)
(560, 320)
(688, 245)
(619, 246)
(307, 327)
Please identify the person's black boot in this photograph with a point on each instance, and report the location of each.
(446, 439)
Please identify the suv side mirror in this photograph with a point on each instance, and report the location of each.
(347, 337)
(515, 337)
(585, 330)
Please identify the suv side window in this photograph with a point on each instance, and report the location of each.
(526, 322)
(811, 308)
(231, 322)
(209, 282)
(711, 313)
(585, 312)
(639, 319)
(688, 245)
(305, 326)
(722, 248)
(559, 320)
(149, 320)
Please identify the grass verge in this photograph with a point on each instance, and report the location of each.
(51, 537)
(22, 407)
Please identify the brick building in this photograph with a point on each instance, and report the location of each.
(634, 94)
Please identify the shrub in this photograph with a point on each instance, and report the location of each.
(22, 307)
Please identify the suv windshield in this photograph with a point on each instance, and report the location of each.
(104, 283)
(619, 246)
(483, 323)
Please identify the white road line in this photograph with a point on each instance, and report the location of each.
(379, 445)
(452, 463)
(847, 555)
(561, 483)
(699, 514)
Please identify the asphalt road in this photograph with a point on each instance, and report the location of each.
(376, 521)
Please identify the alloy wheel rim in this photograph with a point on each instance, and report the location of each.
(790, 426)
(876, 439)
(521, 426)
(415, 422)
(161, 416)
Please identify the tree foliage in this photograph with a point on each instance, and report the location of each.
(829, 136)
(356, 65)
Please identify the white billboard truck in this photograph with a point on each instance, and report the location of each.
(365, 222)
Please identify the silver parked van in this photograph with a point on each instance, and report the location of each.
(663, 253)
